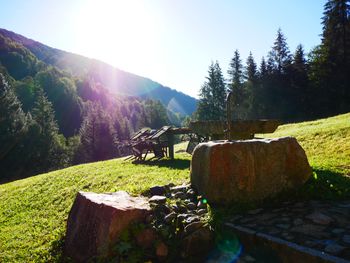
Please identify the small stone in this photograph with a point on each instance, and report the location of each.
(346, 239)
(202, 204)
(201, 211)
(338, 231)
(161, 209)
(180, 195)
(192, 219)
(334, 249)
(191, 206)
(191, 192)
(179, 188)
(162, 251)
(319, 218)
(315, 231)
(157, 190)
(298, 222)
(170, 217)
(255, 211)
(193, 226)
(158, 199)
(283, 226)
(182, 217)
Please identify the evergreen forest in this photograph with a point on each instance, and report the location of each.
(287, 85)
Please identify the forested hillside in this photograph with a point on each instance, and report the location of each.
(115, 80)
(56, 109)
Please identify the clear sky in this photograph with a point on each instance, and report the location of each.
(172, 42)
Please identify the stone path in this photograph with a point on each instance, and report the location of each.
(323, 226)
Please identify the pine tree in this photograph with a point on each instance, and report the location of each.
(300, 84)
(97, 136)
(251, 69)
(330, 62)
(219, 94)
(44, 115)
(336, 30)
(49, 149)
(235, 84)
(235, 73)
(13, 121)
(263, 69)
(211, 105)
(251, 77)
(280, 55)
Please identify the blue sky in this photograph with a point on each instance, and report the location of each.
(172, 42)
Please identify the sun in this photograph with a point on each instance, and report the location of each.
(122, 33)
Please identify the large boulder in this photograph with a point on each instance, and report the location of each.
(96, 221)
(249, 170)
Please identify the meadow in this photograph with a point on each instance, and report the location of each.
(33, 211)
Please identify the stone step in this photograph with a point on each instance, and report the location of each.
(286, 251)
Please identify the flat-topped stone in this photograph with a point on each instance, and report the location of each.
(240, 129)
(248, 170)
(96, 221)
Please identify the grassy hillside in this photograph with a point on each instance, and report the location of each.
(326, 142)
(33, 211)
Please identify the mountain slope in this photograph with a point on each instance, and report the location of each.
(33, 211)
(114, 79)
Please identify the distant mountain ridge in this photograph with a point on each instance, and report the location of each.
(116, 80)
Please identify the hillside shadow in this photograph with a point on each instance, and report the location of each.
(178, 164)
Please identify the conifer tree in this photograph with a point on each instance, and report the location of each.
(97, 136)
(235, 73)
(235, 84)
(251, 69)
(49, 149)
(13, 121)
(251, 77)
(336, 30)
(211, 105)
(280, 54)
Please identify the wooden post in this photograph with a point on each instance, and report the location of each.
(229, 106)
(171, 145)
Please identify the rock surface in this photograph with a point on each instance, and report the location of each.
(96, 221)
(250, 170)
(330, 235)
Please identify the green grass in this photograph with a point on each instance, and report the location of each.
(326, 141)
(33, 211)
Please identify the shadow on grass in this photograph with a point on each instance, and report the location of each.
(179, 164)
(56, 251)
(324, 185)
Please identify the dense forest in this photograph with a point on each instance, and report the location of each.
(287, 86)
(50, 118)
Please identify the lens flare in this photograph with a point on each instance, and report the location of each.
(228, 250)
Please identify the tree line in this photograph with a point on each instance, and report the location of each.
(50, 120)
(284, 85)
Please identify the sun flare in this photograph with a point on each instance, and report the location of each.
(119, 32)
